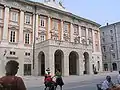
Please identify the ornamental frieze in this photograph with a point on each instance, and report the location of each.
(66, 37)
(77, 39)
(15, 4)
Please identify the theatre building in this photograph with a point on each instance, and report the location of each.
(46, 35)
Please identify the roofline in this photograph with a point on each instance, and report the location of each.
(60, 11)
(110, 24)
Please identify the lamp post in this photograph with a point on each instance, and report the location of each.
(110, 50)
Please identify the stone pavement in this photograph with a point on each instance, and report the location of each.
(37, 81)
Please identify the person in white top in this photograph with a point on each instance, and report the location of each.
(47, 71)
(107, 84)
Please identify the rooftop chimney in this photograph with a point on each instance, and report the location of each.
(107, 24)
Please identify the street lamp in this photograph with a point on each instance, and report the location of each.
(110, 50)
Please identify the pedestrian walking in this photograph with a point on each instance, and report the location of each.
(59, 80)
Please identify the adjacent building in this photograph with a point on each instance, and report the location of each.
(110, 43)
(45, 35)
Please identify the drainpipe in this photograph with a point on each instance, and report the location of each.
(34, 39)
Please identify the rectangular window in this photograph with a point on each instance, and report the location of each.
(27, 69)
(14, 16)
(111, 38)
(12, 53)
(42, 21)
(105, 57)
(83, 31)
(42, 38)
(76, 29)
(27, 38)
(103, 33)
(55, 25)
(111, 31)
(12, 36)
(113, 55)
(27, 54)
(66, 27)
(90, 33)
(112, 46)
(104, 48)
(103, 39)
(28, 19)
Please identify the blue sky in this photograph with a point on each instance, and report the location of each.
(100, 11)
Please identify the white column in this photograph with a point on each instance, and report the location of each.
(72, 32)
(93, 35)
(37, 25)
(21, 41)
(66, 65)
(90, 63)
(99, 41)
(49, 28)
(5, 28)
(81, 63)
(87, 35)
(49, 61)
(80, 34)
(62, 31)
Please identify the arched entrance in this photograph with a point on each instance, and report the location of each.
(59, 58)
(86, 63)
(105, 67)
(114, 66)
(41, 64)
(73, 63)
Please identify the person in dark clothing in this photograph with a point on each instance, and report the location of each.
(59, 80)
(14, 82)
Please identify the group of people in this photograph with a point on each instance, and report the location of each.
(108, 84)
(49, 82)
(12, 82)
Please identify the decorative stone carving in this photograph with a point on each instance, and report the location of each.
(42, 32)
(66, 37)
(77, 39)
(90, 41)
(84, 41)
(13, 27)
(29, 7)
(15, 4)
(54, 34)
(28, 30)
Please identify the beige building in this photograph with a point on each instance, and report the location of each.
(58, 38)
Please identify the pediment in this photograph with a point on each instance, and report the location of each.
(13, 27)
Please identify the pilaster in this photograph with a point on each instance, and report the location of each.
(5, 28)
(21, 41)
(49, 28)
(72, 32)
